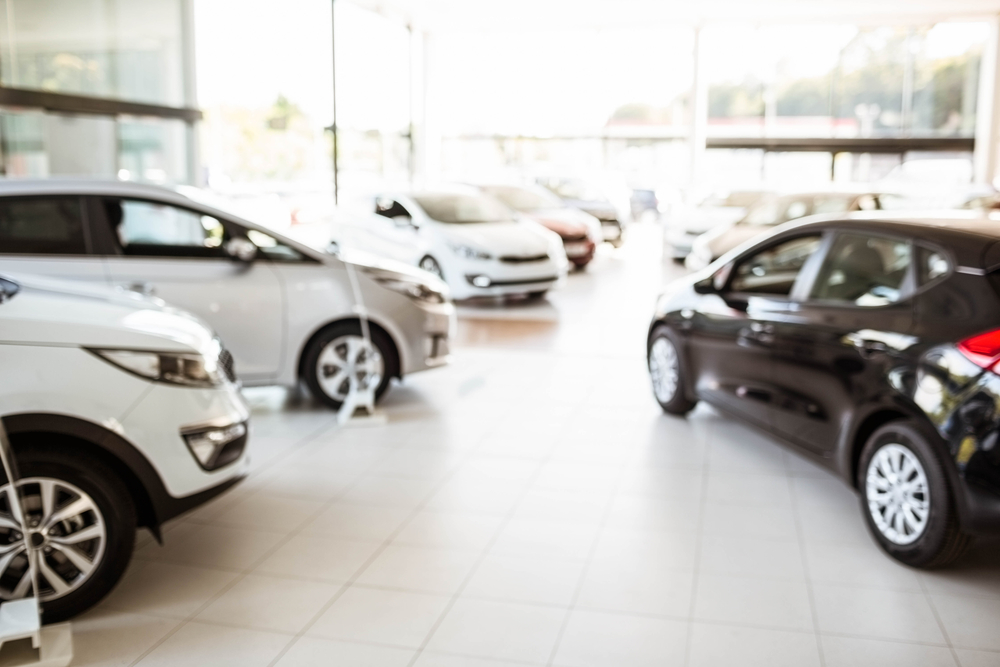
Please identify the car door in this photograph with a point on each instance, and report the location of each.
(730, 333)
(49, 236)
(834, 346)
(178, 254)
(396, 228)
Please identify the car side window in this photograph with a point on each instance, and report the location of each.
(154, 229)
(773, 271)
(390, 208)
(864, 271)
(42, 226)
(273, 249)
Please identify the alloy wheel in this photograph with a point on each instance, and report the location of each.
(66, 536)
(898, 494)
(349, 363)
(664, 369)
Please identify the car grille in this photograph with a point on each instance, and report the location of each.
(226, 364)
(510, 259)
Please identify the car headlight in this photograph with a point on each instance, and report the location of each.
(413, 288)
(180, 368)
(468, 252)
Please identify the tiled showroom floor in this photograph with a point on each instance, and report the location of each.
(531, 505)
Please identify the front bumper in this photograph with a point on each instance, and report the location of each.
(429, 344)
(579, 251)
(157, 423)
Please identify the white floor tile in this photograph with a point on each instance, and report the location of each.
(611, 585)
(105, 638)
(499, 630)
(212, 546)
(449, 530)
(204, 644)
(419, 569)
(269, 603)
(751, 557)
(315, 652)
(971, 622)
(393, 618)
(852, 652)
(714, 645)
(312, 556)
(595, 639)
(545, 581)
(167, 589)
(746, 601)
(876, 614)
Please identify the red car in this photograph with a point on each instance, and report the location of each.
(580, 232)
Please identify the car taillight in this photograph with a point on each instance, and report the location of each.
(983, 349)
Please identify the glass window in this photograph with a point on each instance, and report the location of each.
(774, 270)
(274, 249)
(390, 208)
(463, 209)
(864, 271)
(119, 49)
(148, 228)
(42, 226)
(932, 264)
(524, 199)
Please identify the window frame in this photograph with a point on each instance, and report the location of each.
(908, 287)
(111, 246)
(807, 267)
(85, 227)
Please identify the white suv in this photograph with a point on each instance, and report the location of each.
(286, 311)
(121, 412)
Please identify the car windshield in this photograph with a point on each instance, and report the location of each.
(8, 288)
(524, 199)
(776, 210)
(575, 189)
(463, 209)
(733, 199)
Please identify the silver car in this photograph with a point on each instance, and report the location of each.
(770, 211)
(286, 311)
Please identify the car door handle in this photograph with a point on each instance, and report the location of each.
(144, 288)
(759, 333)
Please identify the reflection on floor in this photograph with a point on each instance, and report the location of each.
(531, 505)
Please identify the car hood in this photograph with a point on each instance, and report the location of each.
(722, 240)
(377, 264)
(566, 222)
(55, 312)
(517, 238)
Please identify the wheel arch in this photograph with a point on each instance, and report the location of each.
(863, 430)
(397, 362)
(135, 471)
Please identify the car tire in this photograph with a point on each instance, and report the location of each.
(430, 265)
(899, 453)
(74, 477)
(339, 350)
(667, 372)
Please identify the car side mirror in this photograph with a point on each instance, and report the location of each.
(241, 249)
(706, 286)
(403, 221)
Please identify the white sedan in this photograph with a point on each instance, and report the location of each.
(478, 246)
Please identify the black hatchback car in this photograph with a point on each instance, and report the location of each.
(871, 344)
